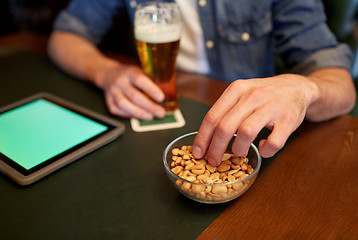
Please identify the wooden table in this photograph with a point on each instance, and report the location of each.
(310, 191)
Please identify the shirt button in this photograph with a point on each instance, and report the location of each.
(209, 44)
(202, 3)
(133, 3)
(245, 37)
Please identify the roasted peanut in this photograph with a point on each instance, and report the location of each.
(186, 186)
(239, 174)
(223, 167)
(210, 168)
(237, 160)
(231, 172)
(186, 156)
(189, 166)
(231, 178)
(219, 189)
(235, 167)
(226, 156)
(244, 166)
(249, 169)
(175, 151)
(198, 169)
(176, 170)
(197, 188)
(191, 178)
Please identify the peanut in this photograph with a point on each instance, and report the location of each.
(226, 156)
(189, 166)
(176, 170)
(197, 188)
(223, 167)
(186, 186)
(219, 189)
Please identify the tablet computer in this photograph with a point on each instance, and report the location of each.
(42, 133)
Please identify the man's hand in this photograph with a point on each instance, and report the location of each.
(130, 93)
(246, 107)
(278, 103)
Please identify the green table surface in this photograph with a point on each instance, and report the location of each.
(120, 191)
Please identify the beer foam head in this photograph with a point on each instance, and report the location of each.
(157, 33)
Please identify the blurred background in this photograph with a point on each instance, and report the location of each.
(29, 15)
(37, 16)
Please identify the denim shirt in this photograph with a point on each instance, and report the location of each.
(242, 37)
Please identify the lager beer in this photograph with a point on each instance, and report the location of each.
(157, 47)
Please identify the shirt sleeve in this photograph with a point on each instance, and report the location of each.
(90, 19)
(339, 56)
(303, 39)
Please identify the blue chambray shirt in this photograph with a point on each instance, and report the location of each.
(241, 36)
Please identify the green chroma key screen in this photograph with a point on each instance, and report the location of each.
(40, 130)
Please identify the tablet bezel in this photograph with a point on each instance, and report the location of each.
(24, 177)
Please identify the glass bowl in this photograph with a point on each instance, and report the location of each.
(209, 189)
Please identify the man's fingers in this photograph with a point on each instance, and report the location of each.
(223, 105)
(145, 84)
(138, 99)
(277, 139)
(119, 105)
(232, 122)
(247, 132)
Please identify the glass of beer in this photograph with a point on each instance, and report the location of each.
(157, 28)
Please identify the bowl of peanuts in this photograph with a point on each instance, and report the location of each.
(202, 182)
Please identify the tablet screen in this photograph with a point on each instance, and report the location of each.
(40, 131)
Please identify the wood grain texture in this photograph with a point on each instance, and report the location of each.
(309, 192)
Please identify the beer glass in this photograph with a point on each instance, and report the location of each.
(157, 28)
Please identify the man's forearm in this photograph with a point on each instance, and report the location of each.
(79, 57)
(336, 94)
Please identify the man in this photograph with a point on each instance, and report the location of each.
(229, 40)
